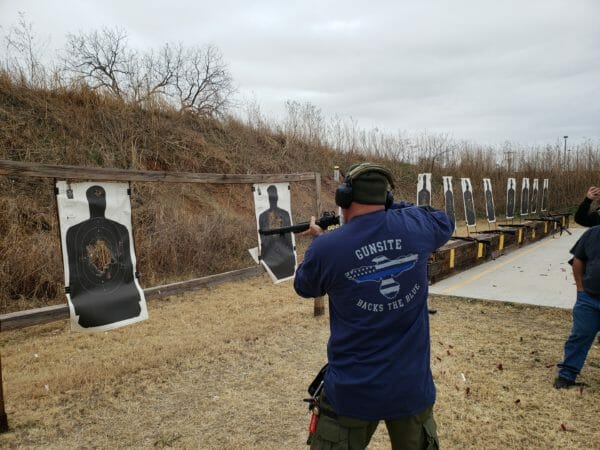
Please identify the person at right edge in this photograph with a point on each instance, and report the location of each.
(586, 311)
(374, 270)
(584, 216)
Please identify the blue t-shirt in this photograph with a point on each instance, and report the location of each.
(374, 270)
(587, 249)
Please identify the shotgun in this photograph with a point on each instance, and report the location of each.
(328, 219)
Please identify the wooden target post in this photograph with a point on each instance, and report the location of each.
(319, 308)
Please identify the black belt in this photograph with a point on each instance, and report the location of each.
(327, 411)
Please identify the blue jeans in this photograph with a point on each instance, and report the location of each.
(586, 324)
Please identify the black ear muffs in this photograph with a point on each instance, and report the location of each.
(389, 200)
(343, 194)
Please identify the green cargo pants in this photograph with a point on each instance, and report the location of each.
(346, 433)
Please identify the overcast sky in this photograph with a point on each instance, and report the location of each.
(484, 71)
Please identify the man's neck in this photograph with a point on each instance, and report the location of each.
(360, 209)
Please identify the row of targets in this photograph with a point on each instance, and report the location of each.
(528, 204)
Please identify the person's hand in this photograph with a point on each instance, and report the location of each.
(313, 228)
(593, 193)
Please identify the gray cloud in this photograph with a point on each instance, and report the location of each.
(487, 71)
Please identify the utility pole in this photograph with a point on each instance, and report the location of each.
(565, 153)
(509, 156)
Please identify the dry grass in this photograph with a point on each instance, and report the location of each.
(175, 225)
(227, 368)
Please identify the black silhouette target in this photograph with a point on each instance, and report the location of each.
(490, 211)
(468, 204)
(510, 198)
(89, 278)
(277, 251)
(424, 189)
(100, 272)
(544, 206)
(525, 197)
(449, 198)
(534, 196)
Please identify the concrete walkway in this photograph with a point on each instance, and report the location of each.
(537, 274)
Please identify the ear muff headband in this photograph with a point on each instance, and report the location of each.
(369, 167)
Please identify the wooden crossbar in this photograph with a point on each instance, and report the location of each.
(24, 169)
(27, 318)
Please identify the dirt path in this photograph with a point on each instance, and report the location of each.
(226, 368)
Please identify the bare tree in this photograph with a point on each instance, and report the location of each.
(23, 52)
(202, 81)
(193, 78)
(305, 121)
(101, 59)
(158, 71)
(433, 147)
(255, 117)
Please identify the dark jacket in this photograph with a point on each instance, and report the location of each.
(584, 217)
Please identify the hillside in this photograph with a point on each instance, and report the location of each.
(175, 225)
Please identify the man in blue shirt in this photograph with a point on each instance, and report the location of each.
(586, 312)
(374, 270)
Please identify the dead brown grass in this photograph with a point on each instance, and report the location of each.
(180, 231)
(176, 226)
(227, 368)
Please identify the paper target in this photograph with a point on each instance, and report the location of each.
(544, 206)
(449, 198)
(489, 200)
(273, 210)
(424, 189)
(534, 196)
(468, 204)
(511, 184)
(525, 197)
(98, 256)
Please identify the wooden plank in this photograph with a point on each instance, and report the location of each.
(22, 319)
(24, 169)
(197, 283)
(27, 318)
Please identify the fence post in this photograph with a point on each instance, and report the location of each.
(3, 417)
(319, 308)
(336, 178)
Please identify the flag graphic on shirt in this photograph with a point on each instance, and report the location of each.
(383, 271)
